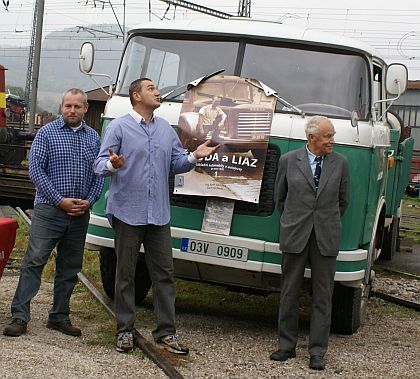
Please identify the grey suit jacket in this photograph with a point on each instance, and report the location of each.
(303, 208)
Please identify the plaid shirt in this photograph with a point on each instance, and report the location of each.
(61, 163)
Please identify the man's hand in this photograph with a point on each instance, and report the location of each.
(74, 207)
(117, 161)
(204, 150)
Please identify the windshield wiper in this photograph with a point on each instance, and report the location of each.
(190, 85)
(270, 92)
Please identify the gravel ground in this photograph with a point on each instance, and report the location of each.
(387, 346)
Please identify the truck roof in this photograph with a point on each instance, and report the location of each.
(251, 28)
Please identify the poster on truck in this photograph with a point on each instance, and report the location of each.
(232, 112)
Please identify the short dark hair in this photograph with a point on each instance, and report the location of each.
(135, 86)
(75, 91)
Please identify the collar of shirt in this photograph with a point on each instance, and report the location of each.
(311, 159)
(311, 156)
(138, 117)
(62, 124)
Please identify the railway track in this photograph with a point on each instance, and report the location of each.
(396, 300)
(15, 182)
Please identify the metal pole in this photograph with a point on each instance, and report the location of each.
(37, 57)
(124, 23)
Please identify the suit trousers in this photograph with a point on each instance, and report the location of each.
(322, 283)
(157, 244)
(51, 227)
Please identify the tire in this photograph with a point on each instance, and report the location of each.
(389, 242)
(348, 308)
(108, 264)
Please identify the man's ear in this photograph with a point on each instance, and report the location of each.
(137, 97)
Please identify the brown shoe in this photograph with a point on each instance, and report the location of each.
(16, 328)
(65, 327)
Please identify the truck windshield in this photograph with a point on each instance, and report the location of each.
(317, 82)
(171, 63)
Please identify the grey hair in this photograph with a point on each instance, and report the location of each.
(75, 91)
(312, 126)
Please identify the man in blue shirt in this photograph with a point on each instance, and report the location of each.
(139, 152)
(60, 166)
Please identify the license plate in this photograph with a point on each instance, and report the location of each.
(214, 249)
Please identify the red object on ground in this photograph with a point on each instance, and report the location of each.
(8, 227)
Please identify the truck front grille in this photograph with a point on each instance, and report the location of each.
(250, 123)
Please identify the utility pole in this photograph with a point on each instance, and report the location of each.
(34, 59)
(31, 58)
(244, 9)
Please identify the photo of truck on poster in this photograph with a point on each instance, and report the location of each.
(235, 113)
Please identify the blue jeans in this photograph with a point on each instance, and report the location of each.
(51, 227)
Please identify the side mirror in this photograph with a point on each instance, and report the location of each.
(355, 119)
(86, 57)
(396, 79)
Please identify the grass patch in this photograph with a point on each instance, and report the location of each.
(22, 237)
(379, 308)
(207, 299)
(410, 225)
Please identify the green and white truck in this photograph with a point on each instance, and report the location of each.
(313, 74)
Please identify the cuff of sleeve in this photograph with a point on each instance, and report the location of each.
(110, 167)
(192, 159)
(58, 200)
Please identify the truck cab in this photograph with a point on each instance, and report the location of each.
(313, 74)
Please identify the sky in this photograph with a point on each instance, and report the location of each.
(393, 28)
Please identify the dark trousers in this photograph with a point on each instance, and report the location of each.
(322, 282)
(158, 253)
(51, 227)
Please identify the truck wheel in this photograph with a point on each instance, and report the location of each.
(389, 242)
(348, 308)
(108, 264)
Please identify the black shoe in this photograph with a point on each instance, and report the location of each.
(317, 362)
(65, 327)
(16, 328)
(282, 356)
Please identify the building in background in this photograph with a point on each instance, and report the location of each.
(97, 99)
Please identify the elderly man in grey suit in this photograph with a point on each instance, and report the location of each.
(312, 192)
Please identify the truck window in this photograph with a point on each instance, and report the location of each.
(332, 84)
(174, 62)
(164, 66)
(378, 88)
(131, 66)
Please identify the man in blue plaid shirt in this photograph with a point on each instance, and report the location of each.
(61, 167)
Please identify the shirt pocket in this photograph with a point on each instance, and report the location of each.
(89, 152)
